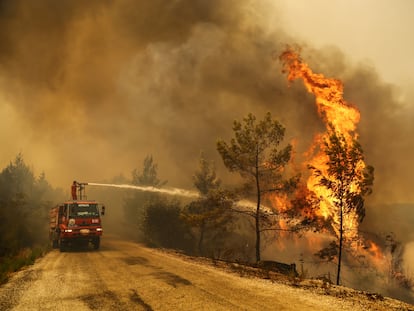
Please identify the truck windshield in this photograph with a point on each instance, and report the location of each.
(84, 210)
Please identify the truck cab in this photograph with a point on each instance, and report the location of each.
(76, 222)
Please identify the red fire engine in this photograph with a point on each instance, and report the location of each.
(77, 221)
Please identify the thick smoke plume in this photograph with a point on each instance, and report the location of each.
(88, 89)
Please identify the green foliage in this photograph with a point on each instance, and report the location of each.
(24, 206)
(163, 225)
(136, 202)
(25, 257)
(211, 217)
(16, 181)
(205, 178)
(254, 146)
(254, 153)
(149, 174)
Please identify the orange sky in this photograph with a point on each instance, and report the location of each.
(379, 31)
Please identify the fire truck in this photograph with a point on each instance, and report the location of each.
(76, 221)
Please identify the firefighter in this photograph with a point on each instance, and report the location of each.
(74, 190)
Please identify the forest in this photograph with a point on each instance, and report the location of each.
(25, 200)
(269, 203)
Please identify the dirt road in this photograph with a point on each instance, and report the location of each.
(126, 276)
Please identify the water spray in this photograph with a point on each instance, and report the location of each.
(170, 191)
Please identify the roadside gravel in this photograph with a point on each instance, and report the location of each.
(126, 276)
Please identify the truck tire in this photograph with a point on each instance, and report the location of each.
(96, 243)
(62, 246)
(55, 244)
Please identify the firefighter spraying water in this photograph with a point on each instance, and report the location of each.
(78, 189)
(77, 221)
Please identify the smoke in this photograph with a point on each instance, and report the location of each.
(87, 90)
(409, 258)
(94, 88)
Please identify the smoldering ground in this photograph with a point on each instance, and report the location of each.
(88, 89)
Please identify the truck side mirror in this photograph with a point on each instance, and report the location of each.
(103, 210)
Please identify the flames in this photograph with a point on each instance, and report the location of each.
(338, 116)
(328, 92)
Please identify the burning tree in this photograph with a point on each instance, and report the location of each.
(255, 155)
(347, 181)
(340, 178)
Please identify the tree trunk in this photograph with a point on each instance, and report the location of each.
(201, 238)
(257, 208)
(258, 232)
(341, 216)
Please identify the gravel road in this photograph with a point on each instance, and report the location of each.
(126, 276)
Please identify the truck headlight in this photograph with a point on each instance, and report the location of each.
(98, 229)
(68, 230)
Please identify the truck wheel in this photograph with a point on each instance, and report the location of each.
(96, 243)
(62, 246)
(55, 244)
